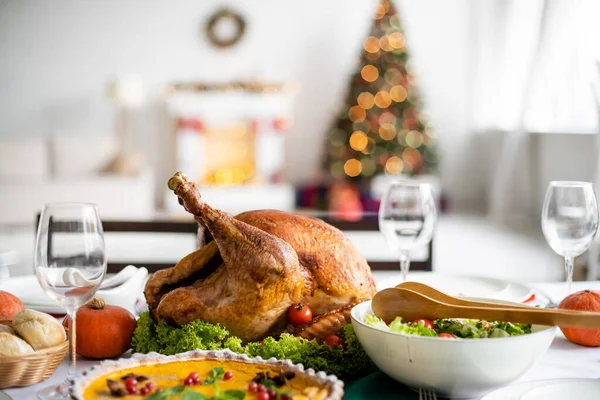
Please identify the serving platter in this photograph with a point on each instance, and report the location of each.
(466, 286)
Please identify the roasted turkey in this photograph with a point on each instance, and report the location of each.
(254, 267)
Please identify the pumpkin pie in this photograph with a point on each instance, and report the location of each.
(201, 374)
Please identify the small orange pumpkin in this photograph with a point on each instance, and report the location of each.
(585, 300)
(9, 305)
(103, 331)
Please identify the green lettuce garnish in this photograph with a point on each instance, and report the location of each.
(344, 361)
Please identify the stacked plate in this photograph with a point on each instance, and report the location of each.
(471, 286)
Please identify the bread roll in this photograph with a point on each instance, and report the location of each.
(10, 345)
(7, 329)
(40, 330)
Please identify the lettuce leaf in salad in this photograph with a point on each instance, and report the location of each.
(398, 326)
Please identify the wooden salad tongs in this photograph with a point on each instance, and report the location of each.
(411, 305)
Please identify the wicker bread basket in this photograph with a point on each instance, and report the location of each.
(25, 370)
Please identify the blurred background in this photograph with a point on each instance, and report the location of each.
(309, 107)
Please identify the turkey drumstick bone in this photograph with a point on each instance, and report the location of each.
(239, 243)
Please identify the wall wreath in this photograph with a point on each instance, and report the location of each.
(225, 28)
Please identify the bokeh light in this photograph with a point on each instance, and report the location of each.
(357, 114)
(370, 146)
(414, 139)
(353, 167)
(396, 40)
(398, 93)
(359, 140)
(369, 73)
(371, 44)
(412, 158)
(383, 99)
(366, 100)
(387, 117)
(387, 131)
(384, 43)
(394, 165)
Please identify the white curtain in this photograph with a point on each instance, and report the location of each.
(530, 67)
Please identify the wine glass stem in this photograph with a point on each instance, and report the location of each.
(404, 264)
(72, 343)
(569, 273)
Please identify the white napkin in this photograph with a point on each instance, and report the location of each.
(122, 289)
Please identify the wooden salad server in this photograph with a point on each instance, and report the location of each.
(399, 302)
(457, 301)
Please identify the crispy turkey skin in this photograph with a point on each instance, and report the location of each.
(258, 265)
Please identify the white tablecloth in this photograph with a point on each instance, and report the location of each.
(563, 360)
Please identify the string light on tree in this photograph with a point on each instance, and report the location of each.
(381, 129)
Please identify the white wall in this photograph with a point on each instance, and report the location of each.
(57, 56)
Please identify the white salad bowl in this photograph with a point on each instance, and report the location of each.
(462, 368)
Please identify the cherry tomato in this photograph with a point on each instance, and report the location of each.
(299, 314)
(446, 335)
(131, 389)
(272, 394)
(263, 396)
(144, 391)
(334, 340)
(485, 325)
(228, 375)
(261, 388)
(150, 386)
(252, 387)
(188, 381)
(426, 323)
(131, 382)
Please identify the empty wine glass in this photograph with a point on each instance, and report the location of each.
(70, 264)
(569, 220)
(407, 217)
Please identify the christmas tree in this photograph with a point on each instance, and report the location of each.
(380, 128)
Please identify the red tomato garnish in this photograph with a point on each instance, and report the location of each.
(263, 396)
(188, 381)
(131, 382)
(131, 389)
(426, 323)
(334, 340)
(144, 391)
(252, 387)
(228, 375)
(272, 394)
(299, 314)
(446, 335)
(150, 385)
(260, 388)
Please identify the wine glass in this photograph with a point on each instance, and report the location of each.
(407, 217)
(70, 264)
(569, 220)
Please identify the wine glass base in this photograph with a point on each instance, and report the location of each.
(54, 392)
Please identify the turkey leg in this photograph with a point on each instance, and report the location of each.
(247, 252)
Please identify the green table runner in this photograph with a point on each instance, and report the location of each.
(378, 386)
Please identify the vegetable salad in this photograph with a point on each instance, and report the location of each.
(451, 327)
